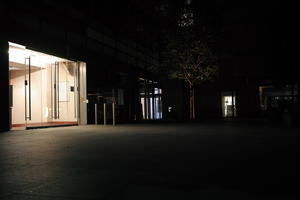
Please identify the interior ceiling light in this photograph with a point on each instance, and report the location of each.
(16, 45)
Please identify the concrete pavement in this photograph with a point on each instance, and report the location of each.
(153, 161)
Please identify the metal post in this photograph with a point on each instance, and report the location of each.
(153, 100)
(114, 114)
(145, 102)
(232, 103)
(57, 90)
(104, 113)
(29, 64)
(96, 114)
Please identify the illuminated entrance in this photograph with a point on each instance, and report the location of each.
(44, 89)
(150, 99)
(228, 104)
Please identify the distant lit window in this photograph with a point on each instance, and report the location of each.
(157, 91)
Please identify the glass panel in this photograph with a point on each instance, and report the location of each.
(157, 91)
(62, 87)
(229, 106)
(151, 107)
(143, 107)
(33, 91)
(17, 87)
(158, 108)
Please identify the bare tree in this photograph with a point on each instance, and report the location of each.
(187, 54)
(192, 61)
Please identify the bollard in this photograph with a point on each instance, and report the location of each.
(96, 114)
(104, 113)
(114, 114)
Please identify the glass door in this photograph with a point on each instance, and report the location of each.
(33, 86)
(63, 92)
(55, 91)
(17, 86)
(228, 106)
(27, 87)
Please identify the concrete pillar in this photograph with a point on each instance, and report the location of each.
(96, 114)
(82, 94)
(4, 86)
(114, 113)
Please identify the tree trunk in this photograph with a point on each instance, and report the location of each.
(192, 103)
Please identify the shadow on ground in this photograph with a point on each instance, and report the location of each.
(228, 160)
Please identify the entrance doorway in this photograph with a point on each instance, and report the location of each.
(150, 100)
(44, 89)
(228, 104)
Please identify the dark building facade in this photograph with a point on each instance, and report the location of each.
(56, 57)
(256, 44)
(257, 71)
(82, 56)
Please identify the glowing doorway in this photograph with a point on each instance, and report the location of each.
(44, 89)
(228, 105)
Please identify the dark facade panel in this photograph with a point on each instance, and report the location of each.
(53, 31)
(4, 86)
(26, 19)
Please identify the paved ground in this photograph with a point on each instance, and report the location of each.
(163, 161)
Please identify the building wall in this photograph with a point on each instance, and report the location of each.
(17, 80)
(59, 29)
(4, 87)
(247, 101)
(174, 100)
(208, 101)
